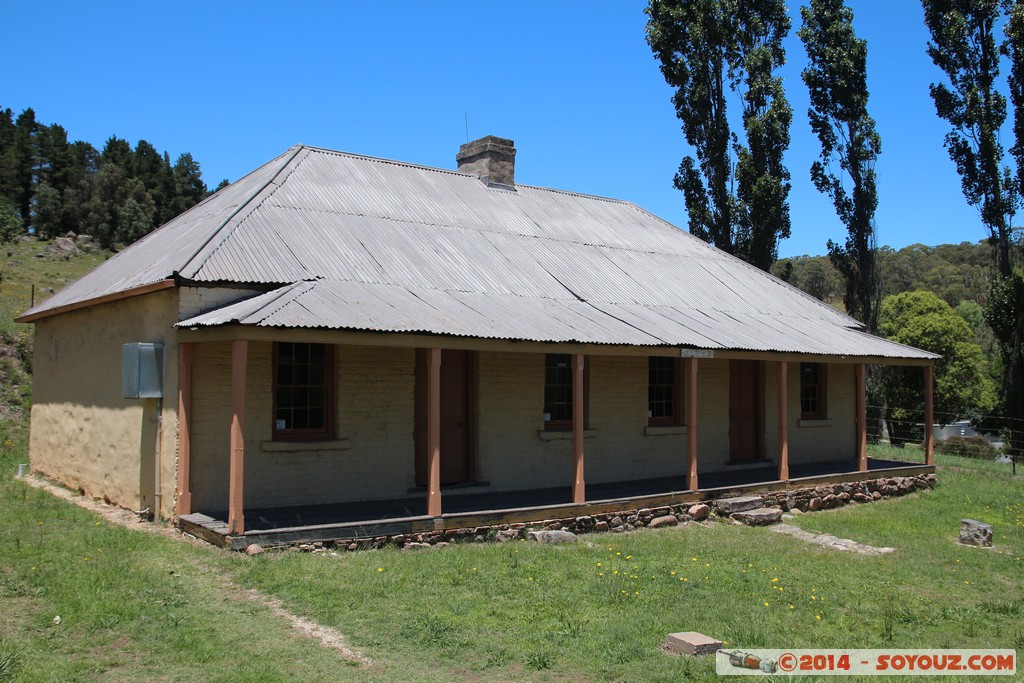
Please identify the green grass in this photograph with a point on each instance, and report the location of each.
(135, 605)
(25, 263)
(86, 600)
(913, 453)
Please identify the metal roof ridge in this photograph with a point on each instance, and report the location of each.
(424, 167)
(384, 160)
(573, 193)
(226, 227)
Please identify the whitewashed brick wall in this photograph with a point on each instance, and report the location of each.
(375, 413)
(195, 300)
(813, 440)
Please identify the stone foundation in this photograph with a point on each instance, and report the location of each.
(804, 499)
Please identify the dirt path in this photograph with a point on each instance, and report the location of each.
(328, 637)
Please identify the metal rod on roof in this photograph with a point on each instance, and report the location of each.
(467, 125)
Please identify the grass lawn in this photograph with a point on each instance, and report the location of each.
(136, 606)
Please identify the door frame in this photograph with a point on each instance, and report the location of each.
(758, 409)
(420, 415)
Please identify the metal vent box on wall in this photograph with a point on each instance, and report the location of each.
(142, 370)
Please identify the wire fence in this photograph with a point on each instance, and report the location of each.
(988, 437)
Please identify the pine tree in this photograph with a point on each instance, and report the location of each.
(24, 163)
(189, 186)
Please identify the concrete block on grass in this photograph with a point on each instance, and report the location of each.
(691, 643)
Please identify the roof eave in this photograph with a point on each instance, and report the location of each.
(30, 317)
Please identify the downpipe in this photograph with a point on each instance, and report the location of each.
(158, 459)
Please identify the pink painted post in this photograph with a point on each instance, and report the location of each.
(862, 419)
(579, 487)
(929, 416)
(691, 423)
(434, 432)
(236, 476)
(783, 422)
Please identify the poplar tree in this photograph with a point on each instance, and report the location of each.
(736, 192)
(836, 77)
(963, 45)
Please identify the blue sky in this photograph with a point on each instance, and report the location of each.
(573, 83)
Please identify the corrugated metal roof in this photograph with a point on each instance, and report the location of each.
(346, 305)
(368, 244)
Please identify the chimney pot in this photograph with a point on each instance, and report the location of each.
(490, 157)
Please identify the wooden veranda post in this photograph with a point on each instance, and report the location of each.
(239, 358)
(929, 416)
(434, 432)
(783, 421)
(861, 419)
(185, 354)
(579, 487)
(691, 423)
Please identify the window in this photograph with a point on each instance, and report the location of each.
(664, 379)
(558, 390)
(303, 391)
(812, 391)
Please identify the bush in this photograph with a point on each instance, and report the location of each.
(968, 447)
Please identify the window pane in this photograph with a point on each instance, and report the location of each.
(303, 385)
(662, 388)
(558, 386)
(811, 391)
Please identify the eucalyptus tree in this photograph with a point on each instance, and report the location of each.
(736, 191)
(836, 78)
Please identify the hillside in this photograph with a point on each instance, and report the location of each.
(30, 266)
(954, 272)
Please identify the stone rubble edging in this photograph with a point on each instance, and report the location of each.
(811, 498)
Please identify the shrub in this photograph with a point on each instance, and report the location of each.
(968, 447)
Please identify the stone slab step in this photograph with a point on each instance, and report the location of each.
(759, 516)
(727, 506)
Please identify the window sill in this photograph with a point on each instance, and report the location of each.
(563, 435)
(296, 446)
(814, 423)
(664, 430)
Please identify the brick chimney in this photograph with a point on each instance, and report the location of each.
(490, 157)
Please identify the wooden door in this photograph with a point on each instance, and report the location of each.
(457, 419)
(744, 410)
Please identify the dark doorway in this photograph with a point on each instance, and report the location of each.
(457, 418)
(744, 410)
